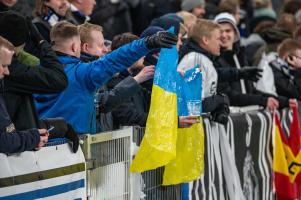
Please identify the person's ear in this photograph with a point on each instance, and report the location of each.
(205, 40)
(289, 59)
(73, 47)
(85, 47)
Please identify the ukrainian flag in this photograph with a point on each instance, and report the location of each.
(158, 146)
(181, 151)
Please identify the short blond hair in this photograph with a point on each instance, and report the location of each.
(85, 31)
(63, 31)
(188, 18)
(203, 28)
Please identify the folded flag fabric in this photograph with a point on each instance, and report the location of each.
(287, 159)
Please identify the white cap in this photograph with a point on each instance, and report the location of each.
(227, 18)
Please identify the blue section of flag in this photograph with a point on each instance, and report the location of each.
(189, 93)
(47, 192)
(166, 69)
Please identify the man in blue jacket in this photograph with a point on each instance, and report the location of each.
(76, 104)
(12, 141)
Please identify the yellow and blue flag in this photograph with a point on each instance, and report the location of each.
(158, 146)
(181, 151)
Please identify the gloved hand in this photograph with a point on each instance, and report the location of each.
(73, 137)
(220, 114)
(161, 39)
(250, 73)
(35, 35)
(61, 130)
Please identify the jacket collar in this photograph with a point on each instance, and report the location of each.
(86, 57)
(192, 46)
(67, 59)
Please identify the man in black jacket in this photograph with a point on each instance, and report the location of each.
(240, 92)
(24, 81)
(11, 140)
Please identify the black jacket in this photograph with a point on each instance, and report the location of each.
(233, 88)
(287, 82)
(113, 17)
(134, 109)
(12, 141)
(24, 81)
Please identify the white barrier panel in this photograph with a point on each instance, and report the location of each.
(54, 172)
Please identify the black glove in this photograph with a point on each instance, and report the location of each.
(61, 130)
(220, 114)
(161, 39)
(250, 73)
(73, 137)
(35, 35)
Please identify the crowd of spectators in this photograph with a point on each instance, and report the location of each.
(86, 66)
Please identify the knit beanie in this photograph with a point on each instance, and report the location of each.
(13, 27)
(188, 5)
(228, 18)
(151, 30)
(168, 20)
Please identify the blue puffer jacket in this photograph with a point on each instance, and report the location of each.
(76, 104)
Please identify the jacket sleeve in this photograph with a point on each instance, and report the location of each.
(286, 87)
(48, 78)
(109, 100)
(238, 99)
(227, 74)
(98, 72)
(127, 114)
(19, 141)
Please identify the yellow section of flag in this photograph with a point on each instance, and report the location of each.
(158, 146)
(189, 163)
(280, 162)
(284, 160)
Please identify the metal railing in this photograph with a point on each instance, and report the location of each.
(109, 156)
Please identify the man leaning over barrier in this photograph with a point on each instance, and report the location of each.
(76, 103)
(27, 78)
(12, 141)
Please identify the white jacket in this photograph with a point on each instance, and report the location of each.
(209, 74)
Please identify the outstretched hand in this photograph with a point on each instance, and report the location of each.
(161, 39)
(250, 73)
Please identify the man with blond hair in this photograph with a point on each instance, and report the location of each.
(11, 140)
(92, 41)
(76, 104)
(202, 46)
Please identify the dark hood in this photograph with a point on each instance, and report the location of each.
(275, 35)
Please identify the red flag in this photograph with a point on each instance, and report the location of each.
(287, 160)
